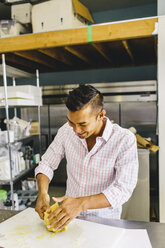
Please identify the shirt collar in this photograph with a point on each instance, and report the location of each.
(107, 130)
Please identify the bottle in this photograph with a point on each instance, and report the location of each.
(16, 203)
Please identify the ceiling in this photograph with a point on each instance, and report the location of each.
(93, 5)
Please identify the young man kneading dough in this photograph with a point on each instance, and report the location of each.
(102, 162)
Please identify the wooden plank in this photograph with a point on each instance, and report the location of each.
(59, 55)
(78, 54)
(44, 40)
(128, 49)
(102, 50)
(124, 30)
(38, 58)
(143, 50)
(107, 32)
(22, 63)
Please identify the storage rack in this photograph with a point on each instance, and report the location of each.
(12, 180)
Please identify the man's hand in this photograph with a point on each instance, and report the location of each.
(42, 204)
(71, 207)
(67, 211)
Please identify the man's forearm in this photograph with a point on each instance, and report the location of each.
(43, 183)
(94, 202)
(71, 207)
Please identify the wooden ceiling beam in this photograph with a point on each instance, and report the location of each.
(103, 51)
(21, 63)
(79, 54)
(107, 32)
(124, 30)
(59, 55)
(128, 49)
(38, 58)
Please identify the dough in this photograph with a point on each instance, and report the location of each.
(52, 208)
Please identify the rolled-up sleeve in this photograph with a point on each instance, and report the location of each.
(126, 172)
(53, 155)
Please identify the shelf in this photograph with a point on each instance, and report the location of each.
(18, 177)
(20, 105)
(118, 44)
(20, 140)
(21, 95)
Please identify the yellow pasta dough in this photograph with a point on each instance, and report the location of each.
(52, 208)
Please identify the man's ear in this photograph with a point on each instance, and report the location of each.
(102, 114)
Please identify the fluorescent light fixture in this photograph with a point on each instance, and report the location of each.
(14, 72)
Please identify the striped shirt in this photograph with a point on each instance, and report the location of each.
(110, 167)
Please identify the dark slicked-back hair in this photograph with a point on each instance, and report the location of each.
(83, 96)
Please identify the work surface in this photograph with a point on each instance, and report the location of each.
(155, 230)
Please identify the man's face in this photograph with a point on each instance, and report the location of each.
(84, 122)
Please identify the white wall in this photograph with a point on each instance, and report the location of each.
(161, 7)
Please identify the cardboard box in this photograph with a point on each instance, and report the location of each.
(35, 128)
(10, 28)
(59, 14)
(22, 12)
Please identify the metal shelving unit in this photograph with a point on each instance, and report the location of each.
(18, 177)
(18, 140)
(24, 172)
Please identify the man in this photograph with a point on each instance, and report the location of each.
(102, 162)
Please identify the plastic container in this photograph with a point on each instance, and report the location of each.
(4, 168)
(3, 197)
(4, 136)
(10, 28)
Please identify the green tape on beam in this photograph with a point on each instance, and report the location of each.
(90, 34)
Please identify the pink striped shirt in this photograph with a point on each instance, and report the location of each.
(111, 166)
